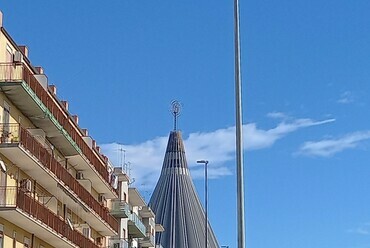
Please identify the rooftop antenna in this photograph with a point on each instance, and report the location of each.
(128, 168)
(175, 110)
(123, 155)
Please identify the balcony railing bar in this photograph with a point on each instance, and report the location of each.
(149, 237)
(15, 197)
(13, 133)
(139, 224)
(122, 243)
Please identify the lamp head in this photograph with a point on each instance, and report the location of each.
(202, 161)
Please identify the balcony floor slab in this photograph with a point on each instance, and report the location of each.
(31, 106)
(81, 164)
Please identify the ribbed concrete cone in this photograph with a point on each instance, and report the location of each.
(176, 204)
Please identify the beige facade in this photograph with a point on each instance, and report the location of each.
(56, 188)
(54, 181)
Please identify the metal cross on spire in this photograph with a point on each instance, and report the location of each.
(175, 110)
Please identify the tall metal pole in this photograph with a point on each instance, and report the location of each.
(206, 192)
(239, 136)
(205, 162)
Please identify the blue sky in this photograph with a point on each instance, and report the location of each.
(305, 76)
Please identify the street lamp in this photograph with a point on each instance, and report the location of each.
(205, 162)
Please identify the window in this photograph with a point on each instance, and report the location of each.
(86, 231)
(5, 120)
(26, 242)
(8, 59)
(68, 212)
(125, 197)
(9, 54)
(59, 209)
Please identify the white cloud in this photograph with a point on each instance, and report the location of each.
(329, 147)
(363, 229)
(213, 173)
(218, 146)
(359, 230)
(277, 115)
(346, 97)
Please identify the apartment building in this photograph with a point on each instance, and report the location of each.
(136, 219)
(56, 188)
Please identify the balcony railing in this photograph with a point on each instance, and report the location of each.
(14, 133)
(16, 72)
(137, 221)
(148, 240)
(10, 72)
(120, 209)
(151, 238)
(152, 222)
(116, 242)
(13, 197)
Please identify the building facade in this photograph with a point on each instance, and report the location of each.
(136, 219)
(56, 188)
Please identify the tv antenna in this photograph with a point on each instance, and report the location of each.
(122, 157)
(175, 110)
(128, 169)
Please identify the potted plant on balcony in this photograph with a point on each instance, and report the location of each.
(5, 135)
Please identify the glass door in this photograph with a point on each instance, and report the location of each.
(5, 126)
(2, 188)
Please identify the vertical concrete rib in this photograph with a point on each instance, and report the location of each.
(176, 203)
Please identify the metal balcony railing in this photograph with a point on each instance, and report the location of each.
(149, 238)
(118, 243)
(137, 221)
(15, 197)
(14, 133)
(120, 207)
(9, 133)
(152, 222)
(10, 72)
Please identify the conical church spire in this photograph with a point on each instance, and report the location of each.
(176, 203)
(175, 152)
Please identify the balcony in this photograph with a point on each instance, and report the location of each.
(146, 212)
(29, 93)
(21, 209)
(17, 144)
(147, 241)
(134, 198)
(159, 228)
(120, 209)
(136, 228)
(118, 243)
